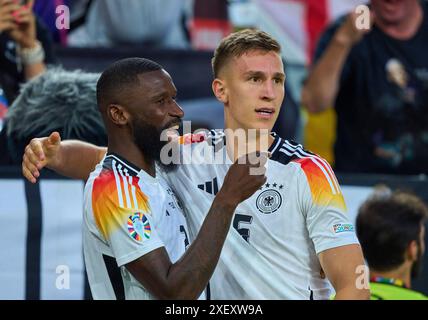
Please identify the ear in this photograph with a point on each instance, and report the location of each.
(117, 114)
(220, 91)
(412, 251)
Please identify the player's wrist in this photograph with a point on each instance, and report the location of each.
(55, 161)
(226, 200)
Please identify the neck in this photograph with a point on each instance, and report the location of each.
(126, 148)
(402, 273)
(244, 141)
(407, 27)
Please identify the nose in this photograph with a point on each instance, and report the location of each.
(176, 110)
(268, 92)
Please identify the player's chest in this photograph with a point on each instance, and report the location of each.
(273, 209)
(169, 219)
(163, 203)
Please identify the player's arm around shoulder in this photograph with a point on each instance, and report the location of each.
(342, 267)
(71, 158)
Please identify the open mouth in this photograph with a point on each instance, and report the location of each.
(172, 132)
(265, 112)
(176, 127)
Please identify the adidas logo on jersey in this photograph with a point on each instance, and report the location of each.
(210, 186)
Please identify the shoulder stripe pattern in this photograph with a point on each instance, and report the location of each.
(297, 150)
(130, 194)
(134, 196)
(123, 163)
(125, 186)
(118, 184)
(321, 179)
(115, 195)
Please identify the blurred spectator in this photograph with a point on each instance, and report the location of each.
(378, 83)
(210, 24)
(59, 100)
(25, 46)
(46, 11)
(158, 23)
(390, 227)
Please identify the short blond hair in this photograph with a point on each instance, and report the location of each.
(238, 43)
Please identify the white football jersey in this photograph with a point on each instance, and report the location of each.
(127, 214)
(271, 249)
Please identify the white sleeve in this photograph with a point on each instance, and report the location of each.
(131, 233)
(324, 206)
(135, 237)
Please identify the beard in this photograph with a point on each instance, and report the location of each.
(148, 139)
(417, 265)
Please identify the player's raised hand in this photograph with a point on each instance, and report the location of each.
(244, 177)
(39, 153)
